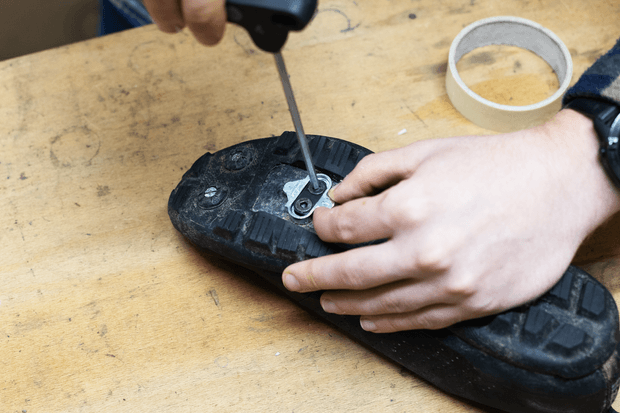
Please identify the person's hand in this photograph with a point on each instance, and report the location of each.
(205, 18)
(474, 225)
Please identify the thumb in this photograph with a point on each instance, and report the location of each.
(379, 171)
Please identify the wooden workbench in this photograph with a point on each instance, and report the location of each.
(105, 307)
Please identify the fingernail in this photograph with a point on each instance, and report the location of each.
(368, 325)
(330, 194)
(328, 306)
(290, 282)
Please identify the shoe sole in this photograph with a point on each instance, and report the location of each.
(556, 354)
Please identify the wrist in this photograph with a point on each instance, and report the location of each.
(574, 136)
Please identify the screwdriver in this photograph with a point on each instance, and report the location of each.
(268, 23)
(299, 129)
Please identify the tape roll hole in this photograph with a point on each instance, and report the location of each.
(508, 75)
(506, 31)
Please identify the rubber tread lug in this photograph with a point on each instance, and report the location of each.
(228, 226)
(560, 293)
(262, 230)
(316, 248)
(338, 157)
(567, 340)
(319, 156)
(592, 300)
(538, 324)
(289, 239)
(286, 144)
(503, 324)
(181, 195)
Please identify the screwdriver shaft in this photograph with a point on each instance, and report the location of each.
(299, 129)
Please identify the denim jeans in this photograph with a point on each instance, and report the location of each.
(117, 15)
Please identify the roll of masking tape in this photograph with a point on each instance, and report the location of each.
(513, 31)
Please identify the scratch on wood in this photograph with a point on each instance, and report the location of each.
(247, 50)
(416, 115)
(216, 299)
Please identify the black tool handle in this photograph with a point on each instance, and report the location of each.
(269, 21)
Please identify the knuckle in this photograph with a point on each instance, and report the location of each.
(392, 304)
(403, 211)
(197, 14)
(352, 280)
(344, 227)
(366, 161)
(435, 320)
(314, 279)
(424, 321)
(434, 256)
(461, 287)
(395, 325)
(481, 306)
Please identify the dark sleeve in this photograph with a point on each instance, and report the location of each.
(601, 80)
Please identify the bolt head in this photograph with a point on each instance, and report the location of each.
(302, 206)
(212, 197)
(239, 158)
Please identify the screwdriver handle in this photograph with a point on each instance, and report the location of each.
(269, 21)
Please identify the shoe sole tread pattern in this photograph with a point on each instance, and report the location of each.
(558, 353)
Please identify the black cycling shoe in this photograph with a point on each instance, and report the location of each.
(251, 204)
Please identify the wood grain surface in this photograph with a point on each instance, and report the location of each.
(105, 307)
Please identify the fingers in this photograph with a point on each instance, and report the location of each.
(373, 173)
(359, 220)
(166, 14)
(429, 318)
(379, 171)
(396, 298)
(205, 18)
(356, 269)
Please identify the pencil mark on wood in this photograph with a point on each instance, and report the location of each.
(350, 25)
(140, 55)
(262, 318)
(245, 44)
(221, 361)
(460, 10)
(19, 227)
(259, 330)
(74, 146)
(215, 298)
